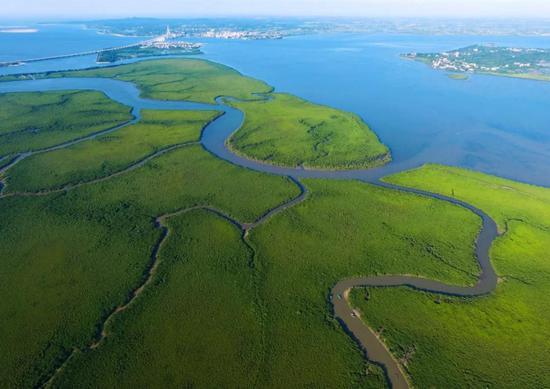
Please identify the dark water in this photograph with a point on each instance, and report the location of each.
(493, 124)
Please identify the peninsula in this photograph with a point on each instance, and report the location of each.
(517, 62)
(159, 46)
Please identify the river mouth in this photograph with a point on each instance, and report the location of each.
(214, 135)
(491, 124)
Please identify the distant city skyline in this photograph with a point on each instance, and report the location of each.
(63, 9)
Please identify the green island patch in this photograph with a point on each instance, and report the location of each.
(201, 312)
(279, 129)
(172, 79)
(288, 131)
(133, 52)
(517, 62)
(458, 76)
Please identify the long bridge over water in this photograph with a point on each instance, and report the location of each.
(79, 54)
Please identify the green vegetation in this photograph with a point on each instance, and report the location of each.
(109, 153)
(112, 56)
(174, 79)
(527, 76)
(496, 341)
(67, 260)
(281, 129)
(201, 314)
(502, 199)
(191, 176)
(31, 121)
(346, 229)
(485, 59)
(286, 130)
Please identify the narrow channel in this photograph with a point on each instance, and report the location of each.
(214, 138)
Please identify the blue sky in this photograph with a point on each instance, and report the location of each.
(188, 8)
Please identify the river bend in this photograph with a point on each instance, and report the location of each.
(214, 139)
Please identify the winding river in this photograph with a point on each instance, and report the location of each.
(214, 138)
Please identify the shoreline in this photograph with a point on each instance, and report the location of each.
(16, 30)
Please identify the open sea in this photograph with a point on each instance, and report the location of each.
(493, 124)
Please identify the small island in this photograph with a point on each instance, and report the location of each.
(163, 45)
(150, 49)
(458, 76)
(502, 61)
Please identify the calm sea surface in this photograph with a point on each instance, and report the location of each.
(493, 124)
(52, 40)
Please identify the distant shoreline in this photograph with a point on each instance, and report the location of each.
(18, 30)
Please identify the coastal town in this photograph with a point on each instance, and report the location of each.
(223, 29)
(243, 35)
(489, 59)
(166, 44)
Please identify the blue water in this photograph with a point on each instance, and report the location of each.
(52, 40)
(493, 124)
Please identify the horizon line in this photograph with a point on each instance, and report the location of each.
(76, 18)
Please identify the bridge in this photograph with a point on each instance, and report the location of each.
(80, 54)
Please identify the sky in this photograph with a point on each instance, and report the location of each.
(63, 9)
